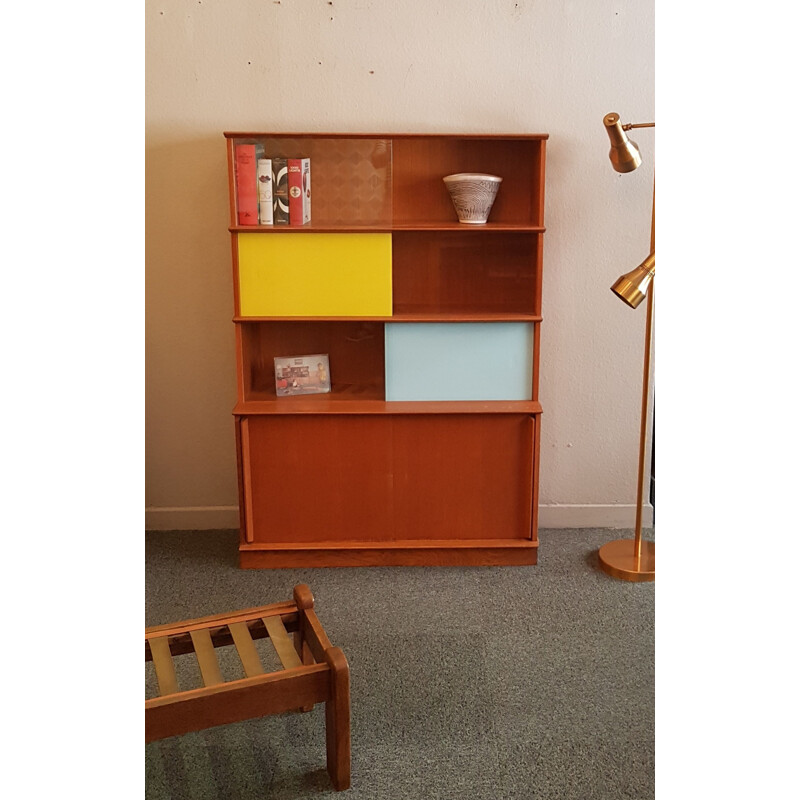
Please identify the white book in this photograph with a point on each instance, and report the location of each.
(264, 177)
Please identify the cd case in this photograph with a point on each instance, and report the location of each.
(302, 375)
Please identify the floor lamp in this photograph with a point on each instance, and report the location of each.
(634, 559)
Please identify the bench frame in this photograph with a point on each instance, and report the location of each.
(314, 672)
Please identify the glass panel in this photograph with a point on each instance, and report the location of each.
(463, 272)
(351, 179)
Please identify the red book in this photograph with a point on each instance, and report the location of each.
(299, 191)
(247, 182)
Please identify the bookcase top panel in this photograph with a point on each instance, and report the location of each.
(362, 135)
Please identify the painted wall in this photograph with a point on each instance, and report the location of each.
(483, 66)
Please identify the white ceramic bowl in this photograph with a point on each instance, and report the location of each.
(473, 195)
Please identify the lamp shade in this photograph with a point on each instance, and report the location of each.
(632, 287)
(624, 153)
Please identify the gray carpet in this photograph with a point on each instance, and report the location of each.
(480, 683)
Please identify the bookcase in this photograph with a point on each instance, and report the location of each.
(426, 449)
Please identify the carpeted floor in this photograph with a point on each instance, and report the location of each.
(479, 683)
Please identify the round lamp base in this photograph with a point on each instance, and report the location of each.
(618, 559)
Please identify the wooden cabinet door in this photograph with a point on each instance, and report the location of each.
(463, 476)
(379, 478)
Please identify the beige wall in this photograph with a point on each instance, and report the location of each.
(554, 66)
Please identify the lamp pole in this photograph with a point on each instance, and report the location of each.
(648, 344)
(625, 559)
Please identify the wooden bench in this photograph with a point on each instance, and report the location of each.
(313, 672)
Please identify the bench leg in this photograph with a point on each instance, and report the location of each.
(304, 600)
(337, 720)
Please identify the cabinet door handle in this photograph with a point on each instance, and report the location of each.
(533, 477)
(248, 489)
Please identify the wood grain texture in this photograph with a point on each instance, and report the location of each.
(270, 693)
(246, 649)
(337, 719)
(247, 481)
(448, 273)
(354, 554)
(162, 661)
(314, 636)
(282, 643)
(355, 351)
(391, 227)
(344, 403)
(206, 657)
(304, 600)
(420, 163)
(418, 477)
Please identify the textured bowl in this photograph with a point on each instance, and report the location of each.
(473, 194)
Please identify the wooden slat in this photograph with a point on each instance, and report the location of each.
(206, 657)
(282, 643)
(181, 642)
(246, 649)
(245, 615)
(165, 669)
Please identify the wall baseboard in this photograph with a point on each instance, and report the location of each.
(205, 518)
(193, 518)
(593, 516)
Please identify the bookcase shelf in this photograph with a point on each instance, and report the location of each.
(358, 401)
(426, 448)
(467, 230)
(411, 316)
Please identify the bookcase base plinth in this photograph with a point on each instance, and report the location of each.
(484, 553)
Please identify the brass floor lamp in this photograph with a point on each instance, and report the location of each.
(634, 559)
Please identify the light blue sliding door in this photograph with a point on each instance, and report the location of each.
(459, 361)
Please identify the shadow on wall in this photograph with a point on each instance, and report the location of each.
(187, 218)
(190, 369)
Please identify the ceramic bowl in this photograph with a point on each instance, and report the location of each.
(473, 195)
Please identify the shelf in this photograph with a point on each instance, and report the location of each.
(391, 227)
(454, 316)
(487, 227)
(354, 401)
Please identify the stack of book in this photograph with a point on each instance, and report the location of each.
(271, 191)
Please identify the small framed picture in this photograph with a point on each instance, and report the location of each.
(302, 375)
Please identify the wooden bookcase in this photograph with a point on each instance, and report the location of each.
(426, 450)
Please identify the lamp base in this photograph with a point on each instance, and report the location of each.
(618, 559)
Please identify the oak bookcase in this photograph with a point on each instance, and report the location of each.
(426, 450)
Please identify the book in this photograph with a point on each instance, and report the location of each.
(246, 157)
(299, 177)
(280, 191)
(302, 375)
(264, 176)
